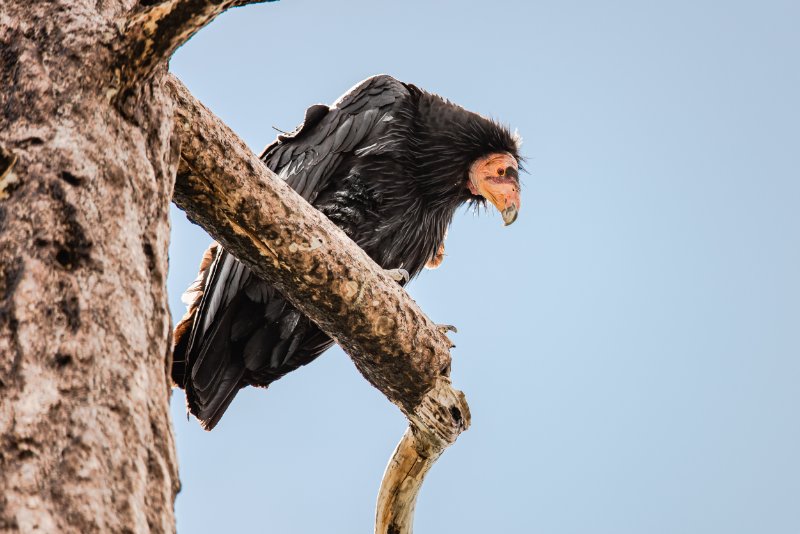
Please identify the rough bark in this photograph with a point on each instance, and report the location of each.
(86, 443)
(226, 189)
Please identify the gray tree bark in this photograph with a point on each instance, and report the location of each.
(89, 151)
(87, 444)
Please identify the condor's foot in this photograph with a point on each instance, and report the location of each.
(444, 329)
(398, 275)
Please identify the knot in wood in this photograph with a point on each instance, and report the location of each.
(350, 289)
(442, 414)
(384, 325)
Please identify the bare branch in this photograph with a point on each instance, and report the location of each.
(414, 456)
(226, 189)
(153, 35)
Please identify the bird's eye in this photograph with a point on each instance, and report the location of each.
(501, 172)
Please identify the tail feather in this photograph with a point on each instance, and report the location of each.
(237, 331)
(230, 384)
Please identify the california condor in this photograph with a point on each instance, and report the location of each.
(388, 163)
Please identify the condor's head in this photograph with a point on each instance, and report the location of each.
(495, 178)
(465, 157)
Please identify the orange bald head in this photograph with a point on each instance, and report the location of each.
(496, 178)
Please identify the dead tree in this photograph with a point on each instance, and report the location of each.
(95, 140)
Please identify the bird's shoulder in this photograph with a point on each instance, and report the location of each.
(376, 91)
(367, 120)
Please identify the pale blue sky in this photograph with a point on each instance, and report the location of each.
(630, 347)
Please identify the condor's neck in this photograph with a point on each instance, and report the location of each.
(442, 152)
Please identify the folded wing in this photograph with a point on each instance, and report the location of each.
(238, 330)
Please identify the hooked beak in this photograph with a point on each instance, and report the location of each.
(496, 178)
(504, 195)
(510, 214)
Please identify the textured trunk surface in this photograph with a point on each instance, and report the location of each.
(86, 444)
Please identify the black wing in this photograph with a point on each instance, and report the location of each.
(310, 156)
(239, 330)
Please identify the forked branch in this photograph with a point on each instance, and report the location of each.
(152, 35)
(228, 191)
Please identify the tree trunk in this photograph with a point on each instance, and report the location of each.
(87, 444)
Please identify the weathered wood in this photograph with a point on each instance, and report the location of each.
(153, 34)
(416, 453)
(226, 189)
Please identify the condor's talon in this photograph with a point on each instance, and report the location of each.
(445, 328)
(398, 275)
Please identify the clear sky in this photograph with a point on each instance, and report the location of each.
(630, 347)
